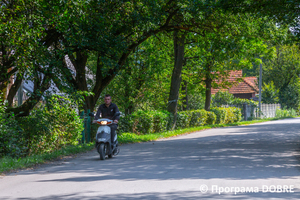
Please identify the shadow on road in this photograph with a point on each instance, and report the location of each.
(170, 195)
(246, 152)
(258, 152)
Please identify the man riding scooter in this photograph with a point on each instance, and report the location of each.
(108, 110)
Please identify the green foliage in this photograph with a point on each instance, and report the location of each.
(196, 99)
(13, 142)
(239, 101)
(143, 84)
(160, 121)
(183, 119)
(222, 98)
(211, 118)
(270, 94)
(125, 124)
(290, 97)
(286, 113)
(199, 118)
(48, 128)
(57, 125)
(9, 163)
(170, 121)
(280, 75)
(233, 115)
(225, 98)
(227, 115)
(221, 115)
(144, 122)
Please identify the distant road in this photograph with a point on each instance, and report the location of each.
(252, 161)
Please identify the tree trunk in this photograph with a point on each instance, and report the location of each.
(176, 75)
(208, 94)
(13, 90)
(39, 88)
(208, 81)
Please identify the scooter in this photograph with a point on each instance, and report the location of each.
(103, 138)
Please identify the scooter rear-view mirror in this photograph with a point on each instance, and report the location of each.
(92, 114)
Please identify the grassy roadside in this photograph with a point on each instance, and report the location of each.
(8, 164)
(134, 138)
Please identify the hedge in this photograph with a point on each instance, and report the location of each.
(221, 114)
(48, 128)
(199, 118)
(211, 118)
(145, 122)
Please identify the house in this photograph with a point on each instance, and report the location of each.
(242, 87)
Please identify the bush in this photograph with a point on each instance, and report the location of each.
(170, 121)
(233, 115)
(211, 118)
(221, 115)
(12, 140)
(47, 128)
(142, 122)
(145, 122)
(238, 101)
(237, 113)
(183, 119)
(227, 115)
(160, 121)
(125, 124)
(199, 118)
(286, 113)
(55, 125)
(222, 98)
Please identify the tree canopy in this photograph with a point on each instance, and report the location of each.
(84, 45)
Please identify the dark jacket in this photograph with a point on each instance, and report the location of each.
(107, 112)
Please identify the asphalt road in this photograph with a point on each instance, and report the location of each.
(247, 162)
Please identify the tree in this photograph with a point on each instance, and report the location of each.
(76, 30)
(270, 93)
(179, 40)
(144, 81)
(222, 98)
(231, 45)
(282, 74)
(25, 47)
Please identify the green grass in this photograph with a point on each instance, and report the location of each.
(134, 138)
(8, 164)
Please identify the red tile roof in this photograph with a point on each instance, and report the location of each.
(240, 85)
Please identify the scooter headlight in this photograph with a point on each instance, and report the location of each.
(102, 122)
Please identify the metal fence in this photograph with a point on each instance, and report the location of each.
(86, 133)
(251, 111)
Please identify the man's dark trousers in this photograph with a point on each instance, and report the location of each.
(113, 128)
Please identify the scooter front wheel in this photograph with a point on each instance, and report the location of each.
(102, 151)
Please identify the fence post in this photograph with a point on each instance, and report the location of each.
(88, 126)
(82, 115)
(245, 112)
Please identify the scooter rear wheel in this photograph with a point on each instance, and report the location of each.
(102, 151)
